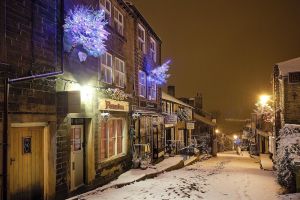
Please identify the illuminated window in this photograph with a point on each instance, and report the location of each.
(106, 68)
(119, 21)
(106, 6)
(153, 49)
(119, 73)
(152, 90)
(111, 139)
(142, 83)
(141, 38)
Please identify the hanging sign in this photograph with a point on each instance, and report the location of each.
(113, 105)
(171, 119)
(190, 125)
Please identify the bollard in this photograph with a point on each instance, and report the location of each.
(297, 174)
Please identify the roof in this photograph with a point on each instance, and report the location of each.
(204, 120)
(288, 66)
(168, 97)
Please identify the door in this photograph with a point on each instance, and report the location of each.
(26, 163)
(77, 157)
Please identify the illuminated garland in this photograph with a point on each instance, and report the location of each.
(160, 74)
(115, 94)
(84, 28)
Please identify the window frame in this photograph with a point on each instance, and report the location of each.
(141, 40)
(144, 85)
(121, 74)
(108, 12)
(154, 50)
(115, 137)
(106, 67)
(117, 21)
(152, 87)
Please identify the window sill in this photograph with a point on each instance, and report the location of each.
(107, 161)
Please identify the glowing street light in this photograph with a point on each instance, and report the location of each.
(235, 137)
(264, 99)
(217, 131)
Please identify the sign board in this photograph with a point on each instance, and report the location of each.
(190, 125)
(171, 119)
(113, 105)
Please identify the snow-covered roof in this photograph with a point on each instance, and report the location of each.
(168, 97)
(288, 66)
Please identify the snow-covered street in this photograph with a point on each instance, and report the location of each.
(227, 176)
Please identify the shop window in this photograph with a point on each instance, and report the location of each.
(111, 139)
(142, 83)
(119, 21)
(106, 68)
(119, 73)
(141, 38)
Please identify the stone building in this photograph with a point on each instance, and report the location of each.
(93, 120)
(179, 123)
(30, 46)
(146, 108)
(286, 90)
(70, 131)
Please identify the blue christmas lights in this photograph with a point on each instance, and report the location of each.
(85, 28)
(159, 75)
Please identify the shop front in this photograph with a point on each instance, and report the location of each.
(149, 135)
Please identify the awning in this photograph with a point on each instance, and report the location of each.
(204, 120)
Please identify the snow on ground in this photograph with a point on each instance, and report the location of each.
(228, 176)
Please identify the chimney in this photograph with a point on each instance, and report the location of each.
(171, 90)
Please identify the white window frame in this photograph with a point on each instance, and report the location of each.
(103, 6)
(123, 142)
(107, 68)
(120, 72)
(119, 24)
(153, 49)
(141, 40)
(142, 84)
(152, 94)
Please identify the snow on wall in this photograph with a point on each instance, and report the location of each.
(288, 150)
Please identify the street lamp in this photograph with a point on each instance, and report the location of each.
(264, 99)
(217, 131)
(235, 137)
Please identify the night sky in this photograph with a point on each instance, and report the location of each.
(224, 49)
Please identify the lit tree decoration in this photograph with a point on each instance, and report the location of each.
(84, 28)
(160, 74)
(264, 110)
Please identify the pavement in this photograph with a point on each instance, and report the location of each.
(136, 175)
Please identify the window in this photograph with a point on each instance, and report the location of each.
(152, 90)
(107, 8)
(141, 38)
(106, 68)
(294, 77)
(111, 140)
(142, 83)
(119, 21)
(153, 49)
(119, 73)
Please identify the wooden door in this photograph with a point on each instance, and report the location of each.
(26, 163)
(77, 157)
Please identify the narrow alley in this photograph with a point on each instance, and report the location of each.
(228, 176)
